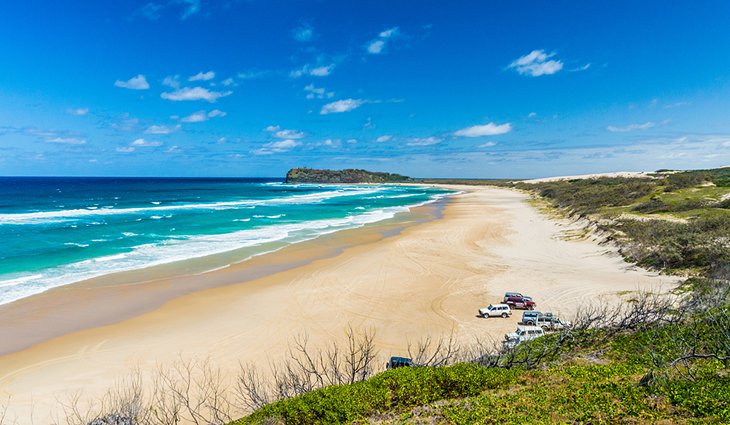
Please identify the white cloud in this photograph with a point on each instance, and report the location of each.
(125, 149)
(145, 143)
(631, 127)
(173, 149)
(532, 115)
(284, 133)
(536, 63)
(284, 144)
(317, 92)
(135, 83)
(194, 93)
(201, 116)
(277, 147)
(340, 106)
(172, 81)
(378, 45)
(322, 71)
(384, 138)
(202, 76)
(303, 33)
(581, 68)
(314, 71)
(78, 111)
(66, 140)
(488, 145)
(251, 75)
(424, 141)
(390, 32)
(490, 129)
(332, 143)
(229, 82)
(161, 129)
(289, 134)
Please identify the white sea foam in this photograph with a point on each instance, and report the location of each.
(406, 195)
(43, 216)
(19, 280)
(184, 248)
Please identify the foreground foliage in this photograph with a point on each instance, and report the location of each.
(599, 378)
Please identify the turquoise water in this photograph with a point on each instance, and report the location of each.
(56, 231)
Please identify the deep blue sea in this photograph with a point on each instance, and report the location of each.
(56, 231)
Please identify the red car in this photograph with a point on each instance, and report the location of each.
(523, 303)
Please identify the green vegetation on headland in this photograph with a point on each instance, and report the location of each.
(310, 175)
(652, 360)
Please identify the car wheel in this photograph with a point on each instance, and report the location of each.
(504, 315)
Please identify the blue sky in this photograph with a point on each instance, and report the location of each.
(430, 88)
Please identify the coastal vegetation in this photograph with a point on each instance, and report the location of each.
(676, 222)
(310, 175)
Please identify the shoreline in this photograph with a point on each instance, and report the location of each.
(424, 281)
(74, 307)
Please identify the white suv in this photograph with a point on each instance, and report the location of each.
(522, 334)
(495, 310)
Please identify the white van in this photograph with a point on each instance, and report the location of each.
(495, 310)
(522, 334)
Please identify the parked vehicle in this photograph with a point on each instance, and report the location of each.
(511, 294)
(396, 362)
(553, 324)
(495, 310)
(522, 334)
(524, 303)
(530, 317)
(547, 321)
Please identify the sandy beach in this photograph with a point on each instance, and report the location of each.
(405, 282)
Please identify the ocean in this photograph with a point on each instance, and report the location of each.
(57, 231)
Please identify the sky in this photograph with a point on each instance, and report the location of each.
(251, 88)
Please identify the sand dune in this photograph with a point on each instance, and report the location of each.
(429, 279)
